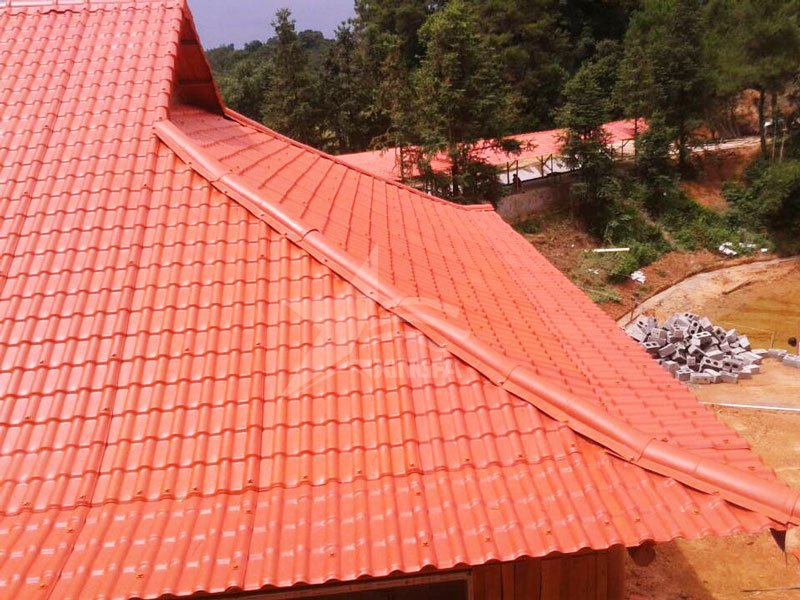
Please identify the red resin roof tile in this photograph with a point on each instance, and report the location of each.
(228, 361)
(535, 146)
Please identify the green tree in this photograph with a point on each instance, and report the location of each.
(393, 26)
(244, 87)
(291, 103)
(531, 51)
(588, 22)
(389, 42)
(654, 166)
(605, 65)
(586, 142)
(242, 76)
(756, 44)
(460, 97)
(346, 98)
(665, 71)
(396, 105)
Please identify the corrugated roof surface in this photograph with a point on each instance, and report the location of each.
(535, 146)
(196, 397)
(470, 264)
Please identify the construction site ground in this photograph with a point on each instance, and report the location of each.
(762, 300)
(759, 295)
(568, 246)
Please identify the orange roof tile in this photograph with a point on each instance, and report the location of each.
(228, 361)
(535, 146)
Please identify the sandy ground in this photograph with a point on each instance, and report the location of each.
(762, 300)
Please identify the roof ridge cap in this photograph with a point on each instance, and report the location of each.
(771, 498)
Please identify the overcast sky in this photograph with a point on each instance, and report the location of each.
(238, 21)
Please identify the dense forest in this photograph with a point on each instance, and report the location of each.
(438, 75)
(505, 62)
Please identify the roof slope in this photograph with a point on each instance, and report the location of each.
(229, 361)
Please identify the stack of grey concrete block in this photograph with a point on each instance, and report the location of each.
(694, 350)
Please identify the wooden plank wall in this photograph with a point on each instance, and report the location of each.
(585, 576)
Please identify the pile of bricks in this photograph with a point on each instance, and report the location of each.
(693, 349)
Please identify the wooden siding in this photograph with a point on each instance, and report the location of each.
(585, 576)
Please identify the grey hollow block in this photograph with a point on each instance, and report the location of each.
(677, 335)
(791, 360)
(699, 378)
(636, 333)
(667, 350)
(651, 347)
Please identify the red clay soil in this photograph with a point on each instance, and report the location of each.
(561, 241)
(715, 168)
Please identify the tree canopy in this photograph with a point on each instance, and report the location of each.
(664, 73)
(439, 75)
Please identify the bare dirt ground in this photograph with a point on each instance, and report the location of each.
(762, 300)
(561, 240)
(665, 272)
(718, 164)
(758, 298)
(565, 244)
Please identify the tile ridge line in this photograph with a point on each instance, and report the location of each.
(771, 498)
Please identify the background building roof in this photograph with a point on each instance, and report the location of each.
(535, 146)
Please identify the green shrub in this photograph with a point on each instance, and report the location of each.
(625, 263)
(591, 274)
(532, 225)
(769, 202)
(603, 295)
